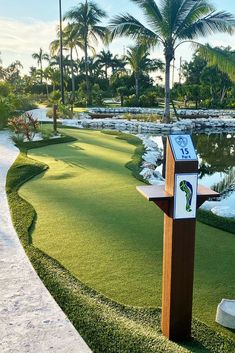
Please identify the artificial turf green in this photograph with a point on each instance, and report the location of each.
(91, 219)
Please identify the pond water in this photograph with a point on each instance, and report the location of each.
(216, 154)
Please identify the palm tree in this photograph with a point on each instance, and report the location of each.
(86, 18)
(140, 63)
(53, 75)
(105, 59)
(71, 42)
(118, 64)
(170, 24)
(40, 56)
(94, 68)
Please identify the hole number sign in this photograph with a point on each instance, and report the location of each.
(182, 147)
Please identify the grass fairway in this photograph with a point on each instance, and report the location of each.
(91, 219)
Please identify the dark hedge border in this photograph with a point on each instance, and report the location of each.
(108, 327)
(223, 223)
(25, 146)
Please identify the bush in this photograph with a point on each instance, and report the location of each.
(24, 126)
(5, 111)
(131, 101)
(22, 102)
(4, 89)
(81, 95)
(147, 100)
(18, 139)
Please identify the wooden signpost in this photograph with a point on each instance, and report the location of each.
(179, 199)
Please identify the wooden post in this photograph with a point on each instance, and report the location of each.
(178, 199)
(55, 107)
(178, 259)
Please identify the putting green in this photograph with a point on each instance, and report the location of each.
(92, 220)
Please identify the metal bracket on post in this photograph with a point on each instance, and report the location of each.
(178, 199)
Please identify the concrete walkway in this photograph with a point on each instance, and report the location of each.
(30, 319)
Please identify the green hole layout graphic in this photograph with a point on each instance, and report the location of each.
(186, 187)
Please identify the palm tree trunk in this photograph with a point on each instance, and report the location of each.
(41, 71)
(137, 88)
(72, 73)
(47, 89)
(106, 72)
(88, 88)
(122, 100)
(166, 118)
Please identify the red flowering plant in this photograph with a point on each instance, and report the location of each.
(24, 127)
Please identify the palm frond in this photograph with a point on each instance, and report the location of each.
(95, 9)
(127, 25)
(54, 46)
(191, 12)
(152, 13)
(223, 59)
(220, 21)
(100, 31)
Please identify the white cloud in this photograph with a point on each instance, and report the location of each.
(19, 39)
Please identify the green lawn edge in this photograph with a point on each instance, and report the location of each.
(105, 325)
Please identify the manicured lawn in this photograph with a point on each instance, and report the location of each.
(91, 219)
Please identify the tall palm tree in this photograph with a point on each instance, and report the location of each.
(140, 63)
(86, 18)
(40, 56)
(170, 24)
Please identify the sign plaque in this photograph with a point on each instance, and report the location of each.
(182, 148)
(185, 200)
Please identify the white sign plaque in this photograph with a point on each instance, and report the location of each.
(182, 147)
(185, 200)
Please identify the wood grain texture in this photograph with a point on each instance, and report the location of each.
(178, 260)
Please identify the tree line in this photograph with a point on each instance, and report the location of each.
(89, 77)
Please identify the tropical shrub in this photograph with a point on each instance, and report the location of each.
(147, 100)
(24, 126)
(22, 102)
(5, 89)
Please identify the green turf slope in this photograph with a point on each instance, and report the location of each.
(91, 219)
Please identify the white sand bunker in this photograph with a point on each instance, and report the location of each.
(225, 315)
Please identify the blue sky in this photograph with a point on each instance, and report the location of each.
(27, 25)
(47, 10)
